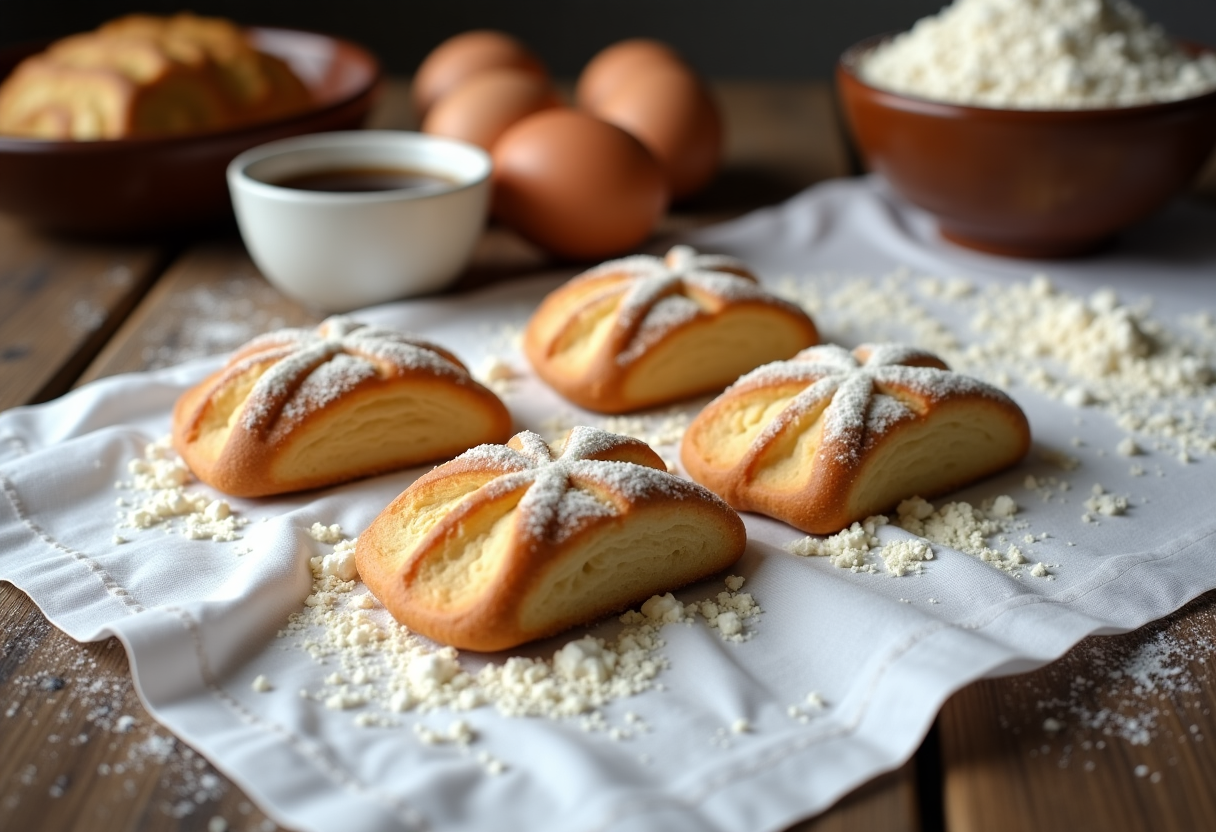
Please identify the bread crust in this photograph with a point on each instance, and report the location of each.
(832, 437)
(145, 76)
(507, 544)
(643, 331)
(299, 409)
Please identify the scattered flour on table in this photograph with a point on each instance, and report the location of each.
(93, 710)
(1148, 687)
(159, 481)
(1039, 54)
(384, 670)
(213, 319)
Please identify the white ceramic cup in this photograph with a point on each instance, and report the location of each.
(339, 251)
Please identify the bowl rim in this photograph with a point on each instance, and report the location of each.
(847, 66)
(21, 145)
(238, 175)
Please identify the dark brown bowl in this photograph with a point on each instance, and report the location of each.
(1027, 183)
(133, 186)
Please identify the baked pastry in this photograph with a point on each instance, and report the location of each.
(643, 331)
(506, 544)
(144, 76)
(831, 437)
(300, 408)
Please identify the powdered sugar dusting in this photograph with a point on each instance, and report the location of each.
(556, 505)
(867, 390)
(314, 368)
(660, 294)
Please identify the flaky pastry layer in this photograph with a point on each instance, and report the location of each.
(832, 437)
(506, 544)
(299, 409)
(644, 331)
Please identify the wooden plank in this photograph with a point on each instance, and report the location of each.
(80, 752)
(1117, 735)
(210, 301)
(888, 803)
(1205, 184)
(60, 301)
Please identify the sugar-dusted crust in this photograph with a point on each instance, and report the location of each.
(298, 409)
(643, 331)
(831, 437)
(145, 76)
(506, 544)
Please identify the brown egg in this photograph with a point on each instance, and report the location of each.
(615, 63)
(481, 108)
(463, 56)
(577, 186)
(673, 113)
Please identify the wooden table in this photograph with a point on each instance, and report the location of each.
(78, 751)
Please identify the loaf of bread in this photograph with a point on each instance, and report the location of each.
(142, 76)
(831, 437)
(298, 409)
(643, 331)
(506, 544)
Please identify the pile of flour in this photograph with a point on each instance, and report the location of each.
(1039, 54)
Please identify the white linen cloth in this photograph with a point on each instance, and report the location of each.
(199, 620)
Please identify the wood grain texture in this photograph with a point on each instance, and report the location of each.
(1205, 184)
(59, 302)
(210, 301)
(79, 751)
(886, 804)
(1117, 735)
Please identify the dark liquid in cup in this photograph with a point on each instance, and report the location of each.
(363, 180)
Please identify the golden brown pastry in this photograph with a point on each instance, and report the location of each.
(831, 437)
(299, 409)
(643, 331)
(144, 76)
(506, 544)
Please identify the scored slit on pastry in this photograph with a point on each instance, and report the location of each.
(642, 330)
(300, 408)
(506, 544)
(834, 436)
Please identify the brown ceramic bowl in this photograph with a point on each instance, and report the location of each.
(134, 186)
(1027, 183)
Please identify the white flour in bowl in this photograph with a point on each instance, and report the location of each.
(1039, 55)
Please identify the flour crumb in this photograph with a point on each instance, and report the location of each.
(161, 476)
(904, 556)
(1128, 447)
(1106, 504)
(967, 528)
(847, 549)
(325, 534)
(492, 765)
(261, 684)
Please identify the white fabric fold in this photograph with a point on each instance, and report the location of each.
(200, 619)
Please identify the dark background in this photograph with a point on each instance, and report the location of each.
(771, 39)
